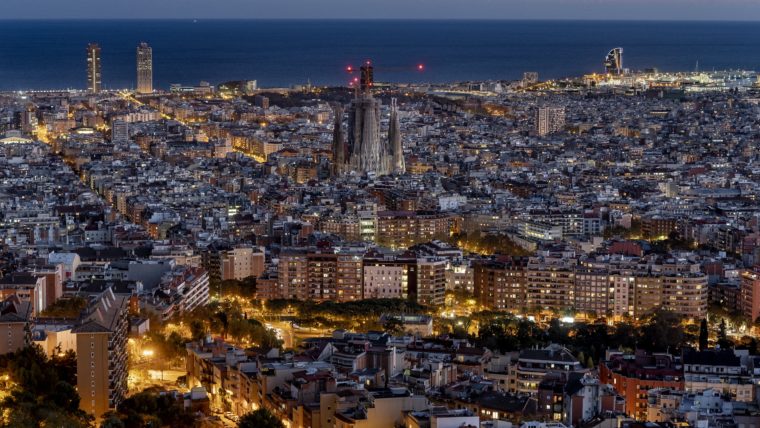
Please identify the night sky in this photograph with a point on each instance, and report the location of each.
(384, 9)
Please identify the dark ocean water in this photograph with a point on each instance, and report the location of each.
(51, 54)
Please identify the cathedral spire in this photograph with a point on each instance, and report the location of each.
(394, 140)
(339, 141)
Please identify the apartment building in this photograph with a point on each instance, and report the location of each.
(633, 375)
(501, 284)
(402, 229)
(533, 365)
(242, 262)
(616, 287)
(101, 346)
(28, 288)
(550, 282)
(16, 324)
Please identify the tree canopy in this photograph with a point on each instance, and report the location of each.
(228, 319)
(150, 409)
(662, 331)
(40, 390)
(261, 418)
(66, 308)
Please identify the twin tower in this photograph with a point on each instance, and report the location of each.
(363, 150)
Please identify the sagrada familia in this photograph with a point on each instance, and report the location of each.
(362, 150)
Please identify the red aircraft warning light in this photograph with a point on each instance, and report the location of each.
(366, 78)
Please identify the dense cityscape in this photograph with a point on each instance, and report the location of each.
(580, 252)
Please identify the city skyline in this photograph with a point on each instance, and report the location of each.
(218, 51)
(699, 10)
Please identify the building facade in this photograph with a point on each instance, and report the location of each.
(550, 120)
(101, 345)
(15, 324)
(94, 78)
(144, 69)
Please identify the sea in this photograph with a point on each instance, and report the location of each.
(38, 55)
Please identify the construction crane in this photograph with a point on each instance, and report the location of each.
(366, 71)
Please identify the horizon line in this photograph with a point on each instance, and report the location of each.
(659, 20)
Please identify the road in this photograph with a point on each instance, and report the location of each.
(292, 336)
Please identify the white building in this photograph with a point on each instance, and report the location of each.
(242, 262)
(383, 282)
(70, 262)
(540, 231)
(451, 202)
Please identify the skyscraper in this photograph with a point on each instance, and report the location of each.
(93, 68)
(613, 62)
(363, 151)
(550, 120)
(144, 69)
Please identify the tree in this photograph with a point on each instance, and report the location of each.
(459, 329)
(703, 335)
(111, 420)
(663, 332)
(487, 244)
(169, 348)
(624, 336)
(66, 308)
(151, 409)
(65, 396)
(221, 316)
(245, 288)
(557, 332)
(393, 325)
(197, 330)
(508, 333)
(261, 418)
(225, 318)
(277, 306)
(41, 391)
(750, 344)
(723, 341)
